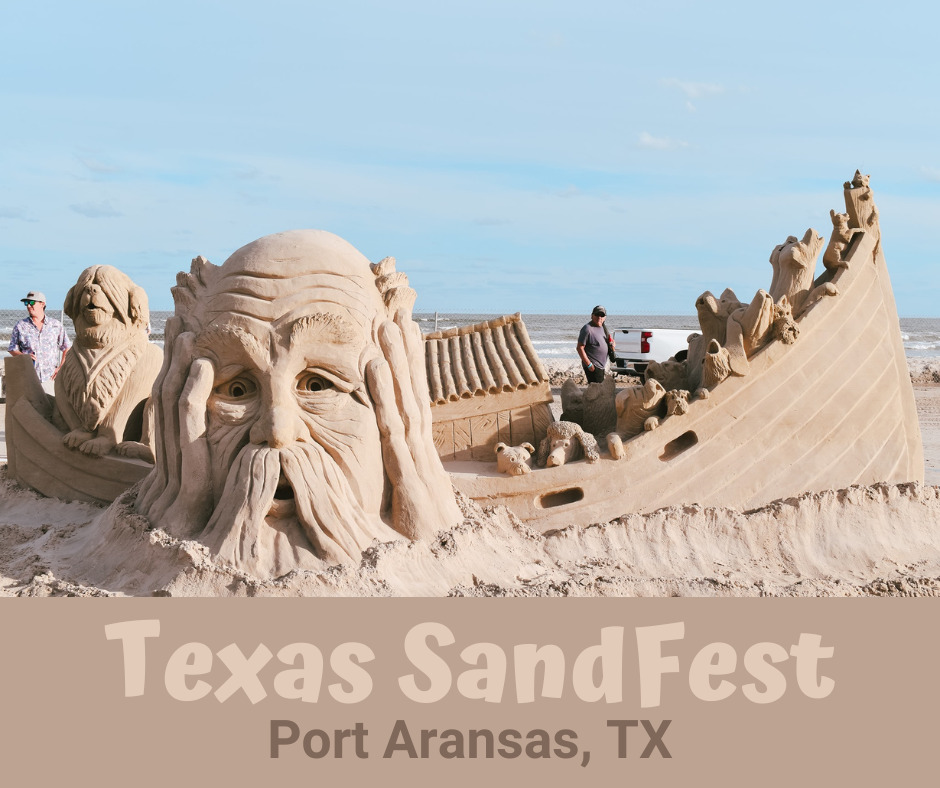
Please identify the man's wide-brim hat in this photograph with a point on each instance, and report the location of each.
(34, 295)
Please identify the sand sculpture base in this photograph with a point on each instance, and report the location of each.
(301, 422)
(871, 541)
(38, 456)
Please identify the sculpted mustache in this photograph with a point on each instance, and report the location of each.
(327, 514)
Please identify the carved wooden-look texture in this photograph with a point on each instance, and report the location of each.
(487, 386)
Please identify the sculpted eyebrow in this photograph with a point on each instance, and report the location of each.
(235, 338)
(322, 327)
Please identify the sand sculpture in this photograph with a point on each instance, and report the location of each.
(733, 331)
(639, 408)
(514, 460)
(671, 374)
(677, 402)
(293, 423)
(592, 407)
(838, 241)
(794, 263)
(92, 440)
(299, 415)
(565, 441)
(487, 386)
(757, 407)
(105, 381)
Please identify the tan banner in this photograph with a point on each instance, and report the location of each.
(455, 691)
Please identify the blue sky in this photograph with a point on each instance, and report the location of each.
(513, 156)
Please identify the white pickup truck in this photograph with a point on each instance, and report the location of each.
(636, 347)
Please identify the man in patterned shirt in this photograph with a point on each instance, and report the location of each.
(41, 338)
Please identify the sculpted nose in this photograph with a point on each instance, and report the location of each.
(278, 427)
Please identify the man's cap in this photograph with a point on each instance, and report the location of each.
(34, 295)
(599, 310)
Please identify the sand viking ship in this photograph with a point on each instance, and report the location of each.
(825, 402)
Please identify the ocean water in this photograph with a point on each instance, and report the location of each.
(553, 336)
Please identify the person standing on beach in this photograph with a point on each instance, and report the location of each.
(41, 338)
(593, 342)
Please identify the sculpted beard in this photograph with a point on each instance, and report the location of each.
(268, 516)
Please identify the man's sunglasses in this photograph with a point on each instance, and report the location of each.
(30, 303)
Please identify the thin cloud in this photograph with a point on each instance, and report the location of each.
(693, 90)
(253, 174)
(98, 167)
(650, 142)
(931, 174)
(101, 210)
(7, 212)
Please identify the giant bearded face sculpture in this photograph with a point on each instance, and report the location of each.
(293, 422)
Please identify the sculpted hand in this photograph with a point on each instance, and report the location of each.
(178, 492)
(422, 497)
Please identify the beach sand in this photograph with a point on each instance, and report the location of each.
(878, 540)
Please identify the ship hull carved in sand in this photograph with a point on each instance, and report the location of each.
(830, 409)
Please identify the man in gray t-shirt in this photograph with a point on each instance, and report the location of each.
(592, 346)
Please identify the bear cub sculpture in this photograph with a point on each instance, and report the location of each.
(514, 460)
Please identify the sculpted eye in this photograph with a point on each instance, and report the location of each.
(312, 382)
(237, 388)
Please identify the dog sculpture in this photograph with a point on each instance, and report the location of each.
(671, 374)
(565, 441)
(639, 408)
(106, 378)
(794, 264)
(677, 402)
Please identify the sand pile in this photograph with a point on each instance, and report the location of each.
(861, 541)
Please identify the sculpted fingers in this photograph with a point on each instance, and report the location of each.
(414, 350)
(403, 347)
(412, 399)
(393, 348)
(410, 501)
(193, 401)
(154, 484)
(177, 373)
(193, 504)
(390, 423)
(420, 446)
